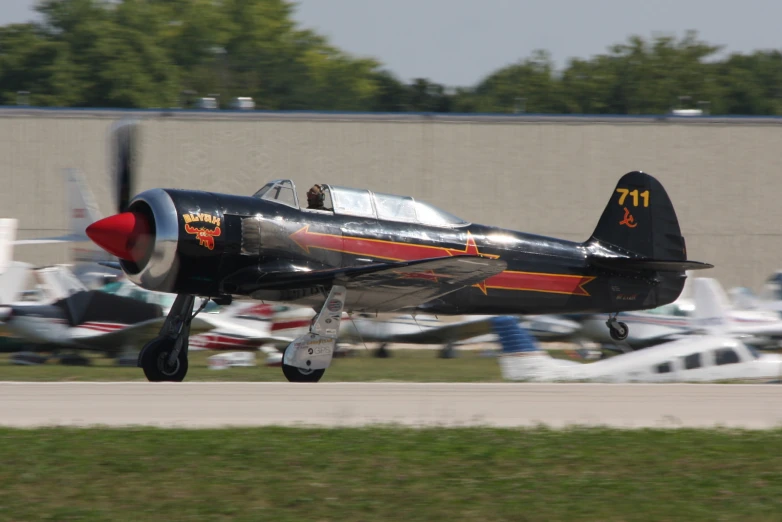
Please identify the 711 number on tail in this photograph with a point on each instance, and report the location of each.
(634, 193)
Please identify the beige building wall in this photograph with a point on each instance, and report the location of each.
(551, 176)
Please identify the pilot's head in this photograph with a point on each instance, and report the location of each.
(315, 196)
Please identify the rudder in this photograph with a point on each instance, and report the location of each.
(640, 220)
(83, 209)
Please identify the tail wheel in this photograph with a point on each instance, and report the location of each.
(619, 331)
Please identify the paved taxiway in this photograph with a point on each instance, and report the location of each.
(216, 404)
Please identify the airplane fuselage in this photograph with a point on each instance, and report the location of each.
(228, 244)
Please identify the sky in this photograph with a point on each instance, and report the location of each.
(459, 42)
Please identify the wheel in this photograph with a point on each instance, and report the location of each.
(448, 352)
(618, 331)
(294, 374)
(154, 361)
(382, 351)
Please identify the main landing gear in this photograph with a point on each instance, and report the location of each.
(617, 329)
(307, 357)
(165, 357)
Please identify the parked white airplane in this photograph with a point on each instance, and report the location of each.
(250, 325)
(64, 315)
(88, 320)
(692, 359)
(242, 325)
(714, 313)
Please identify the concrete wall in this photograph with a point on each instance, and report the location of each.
(551, 176)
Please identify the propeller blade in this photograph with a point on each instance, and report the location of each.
(124, 155)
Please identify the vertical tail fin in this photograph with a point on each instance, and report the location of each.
(7, 239)
(83, 210)
(639, 219)
(13, 274)
(711, 306)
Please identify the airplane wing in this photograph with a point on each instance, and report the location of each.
(541, 327)
(48, 240)
(448, 333)
(390, 286)
(441, 334)
(135, 335)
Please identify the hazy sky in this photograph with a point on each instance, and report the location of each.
(457, 42)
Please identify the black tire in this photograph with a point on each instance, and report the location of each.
(153, 359)
(382, 351)
(619, 331)
(294, 374)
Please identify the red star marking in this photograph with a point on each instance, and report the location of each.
(470, 249)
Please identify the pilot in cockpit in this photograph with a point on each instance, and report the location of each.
(316, 198)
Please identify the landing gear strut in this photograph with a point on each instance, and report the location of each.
(308, 356)
(164, 358)
(617, 329)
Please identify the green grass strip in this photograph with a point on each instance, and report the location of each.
(389, 473)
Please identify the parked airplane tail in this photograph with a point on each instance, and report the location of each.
(13, 274)
(7, 239)
(640, 222)
(711, 306)
(521, 358)
(84, 210)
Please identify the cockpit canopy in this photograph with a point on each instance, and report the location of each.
(363, 203)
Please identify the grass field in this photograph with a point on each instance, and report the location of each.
(404, 365)
(390, 474)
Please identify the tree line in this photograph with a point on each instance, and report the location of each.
(162, 53)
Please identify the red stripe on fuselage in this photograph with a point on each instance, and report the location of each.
(396, 251)
(537, 282)
(376, 248)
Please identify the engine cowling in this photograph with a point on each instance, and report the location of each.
(167, 240)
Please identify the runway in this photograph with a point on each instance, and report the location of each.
(200, 405)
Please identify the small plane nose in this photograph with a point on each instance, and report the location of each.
(126, 235)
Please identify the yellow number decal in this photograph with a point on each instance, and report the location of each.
(625, 192)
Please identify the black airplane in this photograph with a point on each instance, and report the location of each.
(370, 252)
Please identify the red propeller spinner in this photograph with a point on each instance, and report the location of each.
(127, 235)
